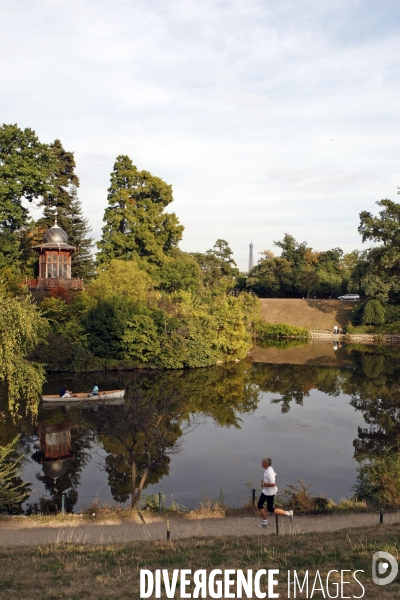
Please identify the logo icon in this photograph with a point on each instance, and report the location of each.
(382, 563)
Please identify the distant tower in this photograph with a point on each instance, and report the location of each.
(251, 264)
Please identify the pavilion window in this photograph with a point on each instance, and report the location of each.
(63, 266)
(57, 265)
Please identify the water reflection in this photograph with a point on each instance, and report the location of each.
(138, 442)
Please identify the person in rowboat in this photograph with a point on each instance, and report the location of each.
(69, 394)
(94, 391)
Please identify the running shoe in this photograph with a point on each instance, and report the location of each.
(263, 524)
(290, 515)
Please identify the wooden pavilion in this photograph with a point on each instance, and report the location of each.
(55, 262)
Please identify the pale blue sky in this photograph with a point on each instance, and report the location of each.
(265, 116)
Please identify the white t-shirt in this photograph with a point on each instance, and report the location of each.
(269, 477)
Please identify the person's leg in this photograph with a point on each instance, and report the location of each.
(277, 511)
(262, 510)
(260, 506)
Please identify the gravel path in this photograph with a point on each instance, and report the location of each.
(19, 534)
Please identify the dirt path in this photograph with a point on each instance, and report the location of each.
(18, 534)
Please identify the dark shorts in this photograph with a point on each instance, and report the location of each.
(269, 500)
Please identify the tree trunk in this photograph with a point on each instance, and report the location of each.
(140, 487)
(133, 483)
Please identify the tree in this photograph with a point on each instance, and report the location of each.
(378, 272)
(217, 266)
(106, 324)
(26, 171)
(122, 278)
(22, 327)
(294, 252)
(271, 277)
(224, 254)
(136, 224)
(26, 168)
(179, 272)
(78, 229)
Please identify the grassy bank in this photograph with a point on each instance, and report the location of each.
(112, 570)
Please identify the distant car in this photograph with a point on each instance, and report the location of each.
(349, 297)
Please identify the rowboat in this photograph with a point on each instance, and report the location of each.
(82, 396)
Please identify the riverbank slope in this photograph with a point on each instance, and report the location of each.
(309, 313)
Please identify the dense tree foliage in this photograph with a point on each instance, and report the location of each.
(218, 268)
(133, 323)
(26, 168)
(26, 171)
(299, 271)
(22, 327)
(378, 271)
(136, 224)
(33, 171)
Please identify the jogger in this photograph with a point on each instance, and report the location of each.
(268, 493)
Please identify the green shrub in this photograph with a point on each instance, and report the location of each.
(392, 313)
(265, 330)
(13, 491)
(379, 479)
(302, 501)
(357, 313)
(373, 313)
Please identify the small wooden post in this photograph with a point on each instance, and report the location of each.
(168, 532)
(63, 504)
(254, 497)
(381, 517)
(277, 524)
(159, 501)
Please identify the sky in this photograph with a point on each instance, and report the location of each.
(266, 116)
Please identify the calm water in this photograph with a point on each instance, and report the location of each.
(316, 420)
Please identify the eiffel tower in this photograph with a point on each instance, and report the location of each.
(251, 264)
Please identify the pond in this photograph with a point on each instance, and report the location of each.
(316, 410)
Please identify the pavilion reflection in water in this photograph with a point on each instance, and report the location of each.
(55, 451)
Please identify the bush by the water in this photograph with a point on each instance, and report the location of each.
(379, 479)
(374, 312)
(264, 331)
(302, 501)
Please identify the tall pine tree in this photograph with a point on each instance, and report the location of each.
(136, 224)
(63, 203)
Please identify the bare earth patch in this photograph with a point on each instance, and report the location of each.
(312, 314)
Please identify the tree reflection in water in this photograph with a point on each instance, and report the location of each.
(373, 385)
(159, 409)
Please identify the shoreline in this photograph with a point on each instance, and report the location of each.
(382, 339)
